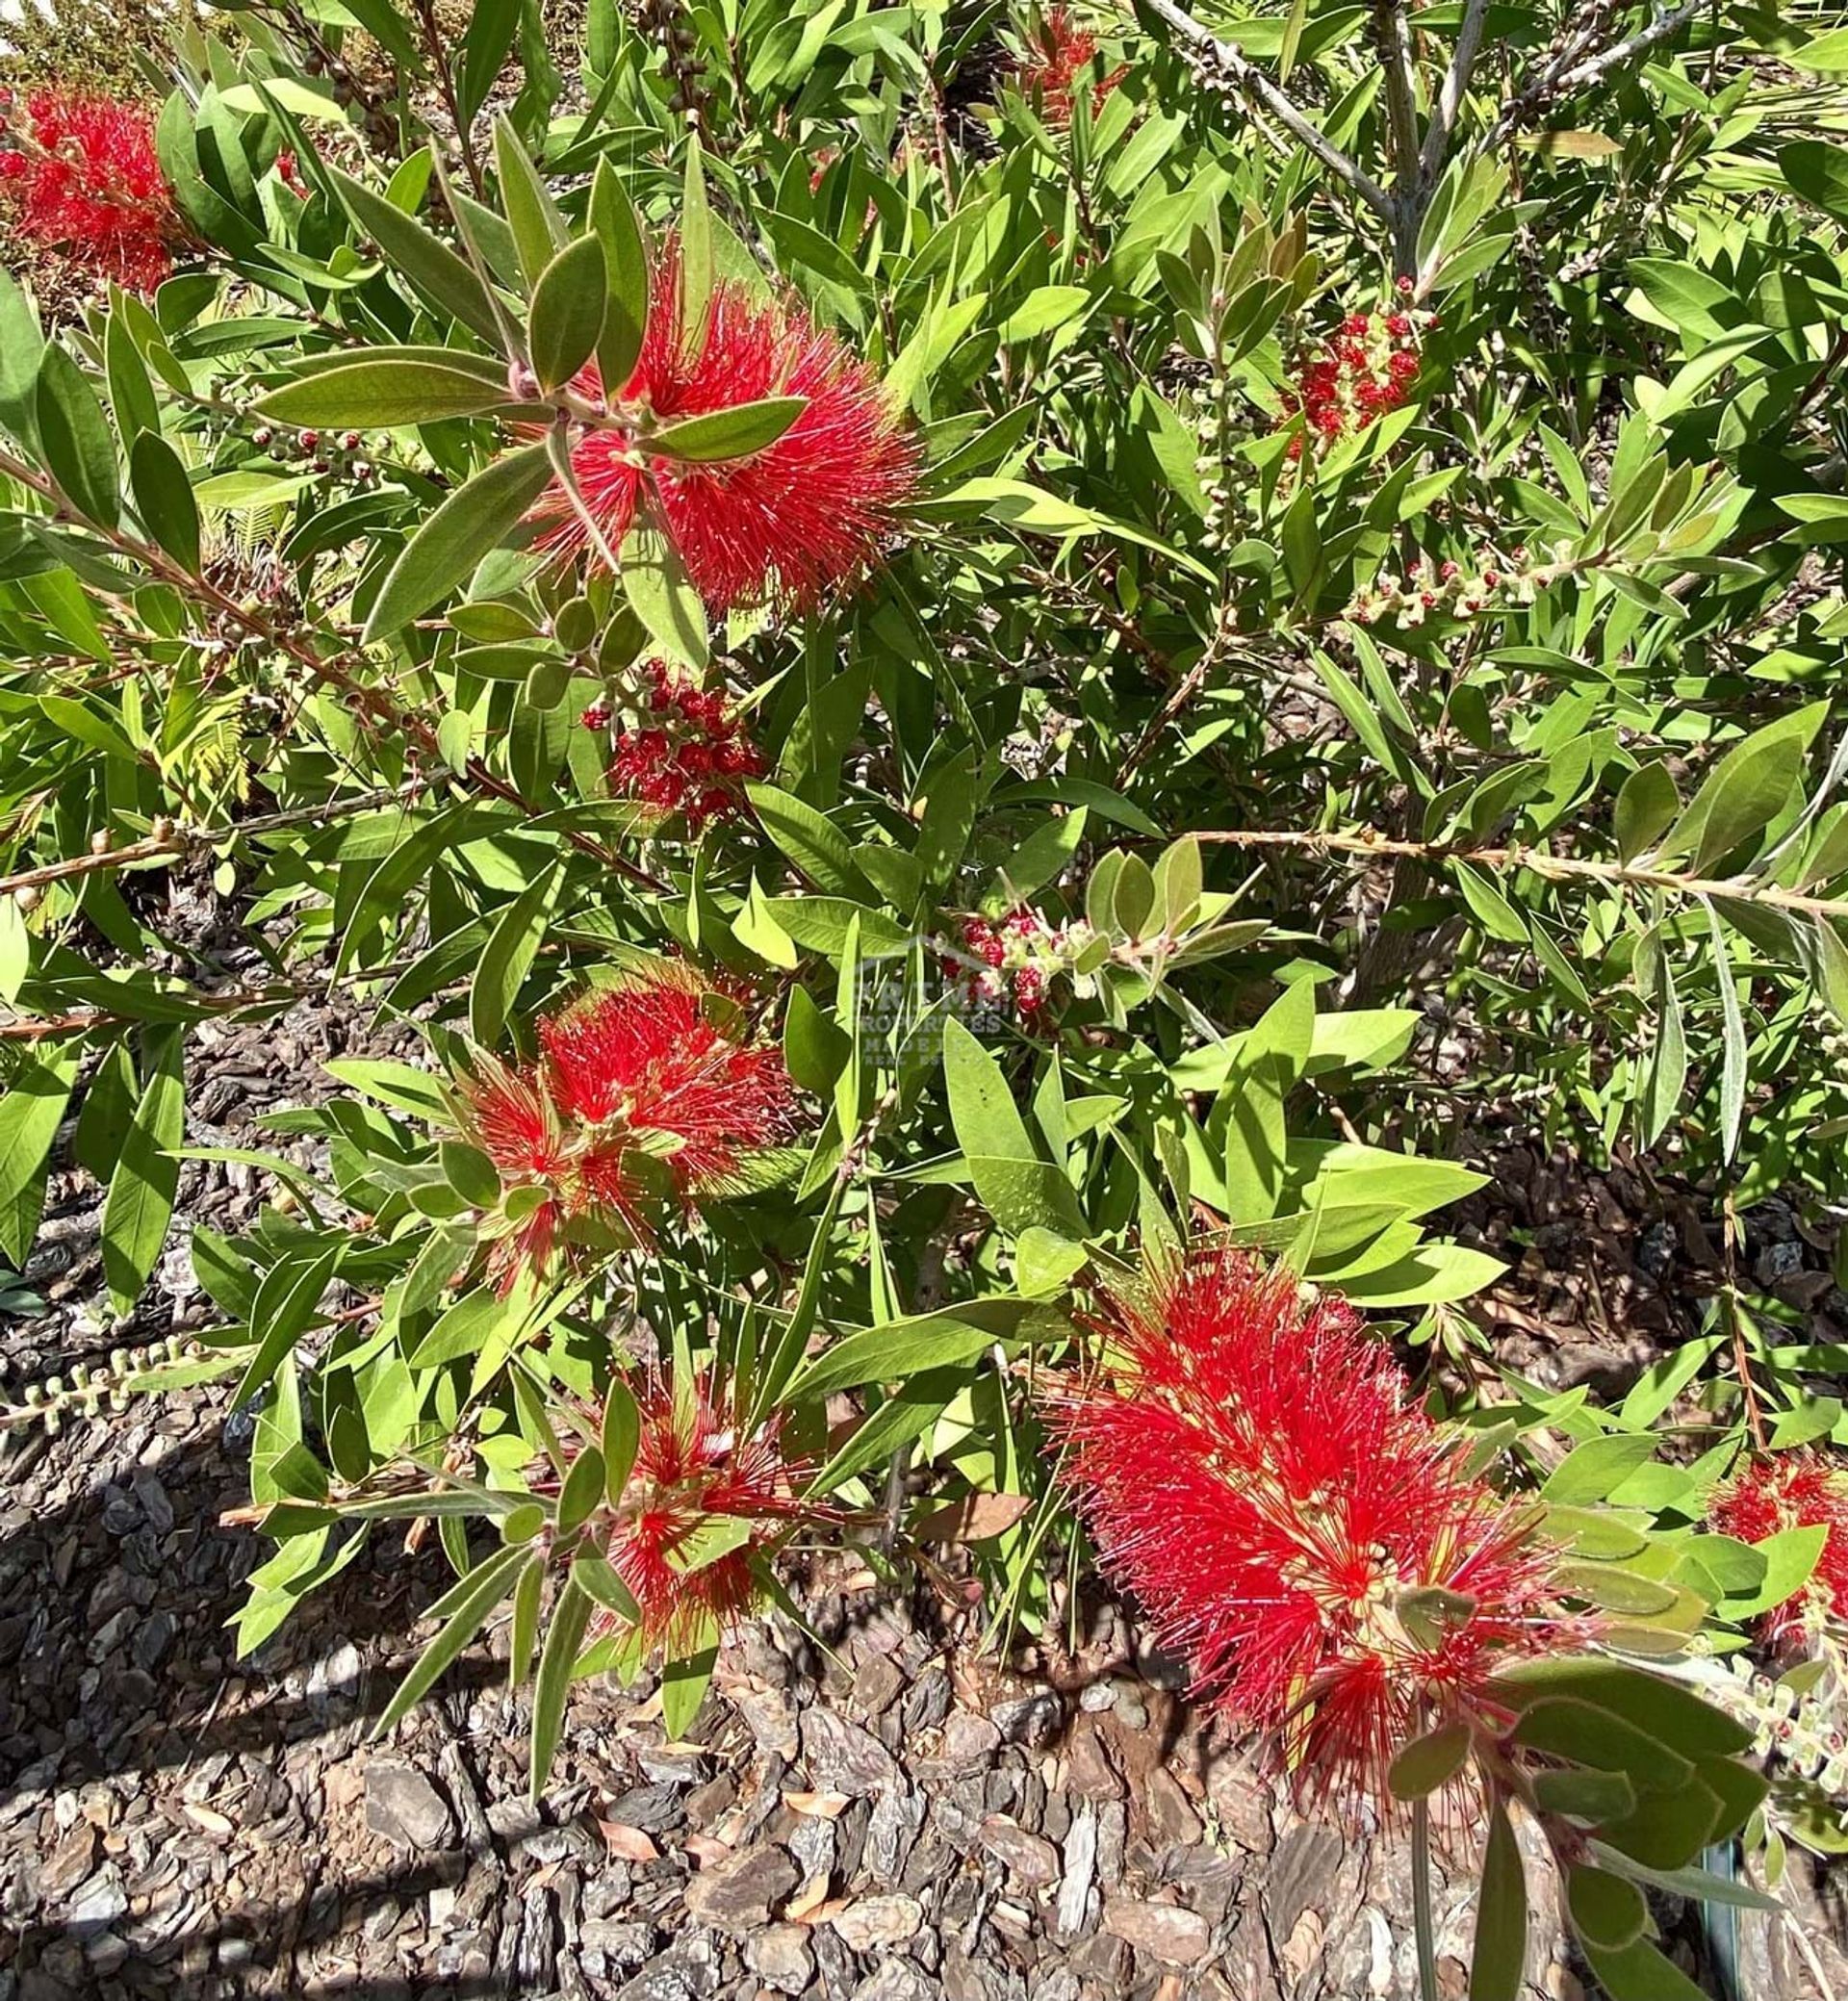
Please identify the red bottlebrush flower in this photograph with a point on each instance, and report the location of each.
(1793, 1490)
(699, 1473)
(650, 1060)
(695, 763)
(1057, 52)
(642, 1091)
(1253, 1470)
(803, 517)
(84, 178)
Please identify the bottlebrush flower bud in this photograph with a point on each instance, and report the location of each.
(1253, 1468)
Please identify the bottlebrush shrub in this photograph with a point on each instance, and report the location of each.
(756, 611)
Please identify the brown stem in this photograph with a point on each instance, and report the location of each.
(1554, 867)
(371, 704)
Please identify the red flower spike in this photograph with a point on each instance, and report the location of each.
(1253, 1469)
(804, 517)
(1057, 52)
(85, 179)
(697, 1472)
(641, 1091)
(1802, 1489)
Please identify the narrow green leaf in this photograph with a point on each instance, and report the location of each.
(139, 1203)
(383, 393)
(163, 499)
(452, 540)
(507, 957)
(614, 225)
(582, 1490)
(538, 229)
(570, 1616)
(443, 278)
(75, 438)
(1501, 1915)
(487, 1584)
(734, 433)
(37, 1092)
(567, 300)
(621, 1435)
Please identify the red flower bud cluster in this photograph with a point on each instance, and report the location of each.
(799, 518)
(1254, 1470)
(289, 174)
(1366, 369)
(1806, 1489)
(1446, 589)
(690, 753)
(81, 175)
(1058, 52)
(1017, 957)
(644, 1091)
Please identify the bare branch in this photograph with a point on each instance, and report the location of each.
(1230, 66)
(1450, 94)
(1564, 77)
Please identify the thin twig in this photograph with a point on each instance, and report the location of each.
(1230, 62)
(1552, 867)
(1563, 77)
(176, 841)
(373, 705)
(1448, 102)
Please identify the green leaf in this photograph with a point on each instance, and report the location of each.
(552, 1687)
(622, 1436)
(452, 541)
(21, 346)
(1792, 1555)
(75, 438)
(1745, 791)
(465, 1328)
(1016, 1187)
(131, 393)
(1428, 1761)
(1570, 1728)
(684, 1685)
(582, 1490)
(163, 499)
(614, 225)
(444, 278)
(507, 957)
(1666, 1707)
(697, 267)
(1501, 1948)
(1594, 1470)
(283, 1311)
(484, 53)
(659, 593)
(809, 840)
(907, 1348)
(734, 433)
(1271, 1061)
(568, 302)
(480, 1591)
(33, 1109)
(1647, 804)
(1607, 1911)
(1585, 1795)
(596, 1576)
(384, 392)
(538, 230)
(139, 1203)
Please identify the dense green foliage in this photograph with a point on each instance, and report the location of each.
(1495, 715)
